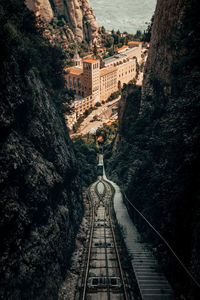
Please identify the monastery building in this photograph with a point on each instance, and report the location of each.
(94, 80)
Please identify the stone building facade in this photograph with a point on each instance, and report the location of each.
(108, 82)
(80, 105)
(98, 79)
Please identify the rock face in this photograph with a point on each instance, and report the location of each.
(162, 52)
(157, 158)
(77, 12)
(40, 201)
(41, 8)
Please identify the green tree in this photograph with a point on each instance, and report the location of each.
(108, 41)
(147, 33)
(138, 36)
(103, 29)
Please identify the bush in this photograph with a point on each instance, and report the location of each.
(98, 104)
(113, 96)
(86, 153)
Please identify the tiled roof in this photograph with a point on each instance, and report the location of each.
(122, 48)
(73, 70)
(86, 57)
(105, 71)
(134, 42)
(91, 60)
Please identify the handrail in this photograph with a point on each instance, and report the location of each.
(164, 240)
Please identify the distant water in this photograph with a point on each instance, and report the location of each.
(125, 15)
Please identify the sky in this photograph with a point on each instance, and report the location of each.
(126, 15)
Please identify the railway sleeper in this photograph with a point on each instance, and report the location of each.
(102, 225)
(103, 282)
(103, 245)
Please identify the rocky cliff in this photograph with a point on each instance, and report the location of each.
(162, 53)
(41, 204)
(157, 159)
(77, 12)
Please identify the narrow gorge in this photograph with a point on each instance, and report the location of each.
(41, 192)
(156, 161)
(45, 174)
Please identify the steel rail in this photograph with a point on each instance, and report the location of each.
(106, 256)
(115, 242)
(97, 192)
(83, 263)
(117, 254)
(89, 254)
(101, 196)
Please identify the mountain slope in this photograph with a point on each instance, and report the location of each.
(157, 159)
(41, 205)
(79, 15)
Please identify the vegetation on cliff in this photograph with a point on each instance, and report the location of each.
(77, 17)
(25, 50)
(157, 158)
(86, 153)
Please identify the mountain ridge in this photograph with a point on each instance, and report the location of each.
(78, 13)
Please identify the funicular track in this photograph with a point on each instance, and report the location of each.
(103, 277)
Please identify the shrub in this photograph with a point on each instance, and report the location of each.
(113, 96)
(98, 104)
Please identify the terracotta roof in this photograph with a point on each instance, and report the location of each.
(122, 48)
(106, 71)
(87, 56)
(73, 70)
(134, 42)
(91, 60)
(100, 139)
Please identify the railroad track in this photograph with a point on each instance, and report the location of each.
(103, 276)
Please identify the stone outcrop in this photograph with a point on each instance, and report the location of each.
(162, 52)
(161, 168)
(78, 13)
(41, 8)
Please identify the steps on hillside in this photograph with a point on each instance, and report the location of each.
(152, 282)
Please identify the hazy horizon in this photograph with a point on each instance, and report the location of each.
(127, 15)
